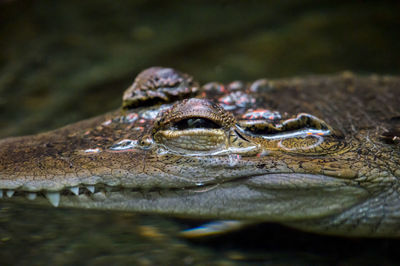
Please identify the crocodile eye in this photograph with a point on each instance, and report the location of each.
(196, 125)
(195, 122)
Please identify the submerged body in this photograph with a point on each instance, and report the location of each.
(320, 154)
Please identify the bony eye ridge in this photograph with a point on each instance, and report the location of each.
(303, 124)
(304, 134)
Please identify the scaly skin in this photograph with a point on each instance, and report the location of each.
(328, 162)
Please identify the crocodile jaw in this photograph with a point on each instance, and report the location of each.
(271, 197)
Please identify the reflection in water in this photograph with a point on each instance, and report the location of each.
(57, 236)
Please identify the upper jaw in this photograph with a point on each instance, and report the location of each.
(147, 170)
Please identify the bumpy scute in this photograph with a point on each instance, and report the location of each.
(159, 85)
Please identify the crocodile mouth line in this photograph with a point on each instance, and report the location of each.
(285, 181)
(54, 197)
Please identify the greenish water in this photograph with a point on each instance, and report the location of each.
(62, 61)
(42, 235)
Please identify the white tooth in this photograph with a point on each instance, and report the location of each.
(54, 198)
(10, 193)
(74, 190)
(90, 188)
(1, 193)
(31, 195)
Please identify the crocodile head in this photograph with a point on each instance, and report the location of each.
(320, 153)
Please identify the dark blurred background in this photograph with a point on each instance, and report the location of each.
(62, 61)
